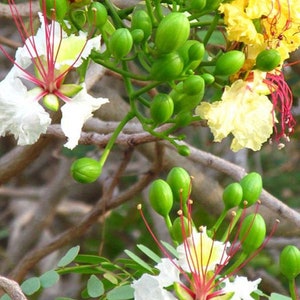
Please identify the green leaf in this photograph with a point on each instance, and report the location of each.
(95, 287)
(138, 260)
(149, 253)
(170, 248)
(31, 285)
(90, 259)
(63, 298)
(111, 278)
(49, 278)
(124, 292)
(275, 296)
(68, 257)
(5, 297)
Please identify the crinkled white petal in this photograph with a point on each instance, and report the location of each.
(241, 287)
(20, 114)
(148, 287)
(169, 273)
(76, 112)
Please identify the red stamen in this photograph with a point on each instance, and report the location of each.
(282, 98)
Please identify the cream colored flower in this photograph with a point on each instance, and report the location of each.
(244, 111)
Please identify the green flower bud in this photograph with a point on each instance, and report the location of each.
(180, 225)
(208, 78)
(252, 188)
(268, 59)
(97, 14)
(161, 197)
(289, 262)
(252, 233)
(183, 101)
(196, 6)
(51, 102)
(180, 182)
(161, 108)
(232, 195)
(78, 17)
(183, 150)
(55, 9)
(172, 32)
(120, 43)
(86, 170)
(167, 67)
(193, 85)
(141, 20)
(184, 118)
(229, 63)
(192, 53)
(137, 35)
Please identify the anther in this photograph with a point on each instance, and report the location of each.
(139, 206)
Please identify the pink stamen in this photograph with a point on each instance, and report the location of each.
(282, 99)
(51, 79)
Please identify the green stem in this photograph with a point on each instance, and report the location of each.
(130, 115)
(292, 288)
(168, 223)
(232, 224)
(116, 18)
(211, 29)
(219, 221)
(236, 264)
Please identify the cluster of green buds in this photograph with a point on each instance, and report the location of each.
(246, 232)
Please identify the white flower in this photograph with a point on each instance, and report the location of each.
(200, 254)
(76, 112)
(148, 287)
(169, 272)
(241, 287)
(52, 54)
(20, 115)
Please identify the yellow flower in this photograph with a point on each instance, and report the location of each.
(245, 111)
(272, 24)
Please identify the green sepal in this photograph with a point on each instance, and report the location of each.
(70, 89)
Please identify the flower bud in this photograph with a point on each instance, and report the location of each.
(252, 233)
(183, 101)
(289, 262)
(97, 14)
(183, 150)
(180, 226)
(141, 20)
(252, 188)
(229, 63)
(172, 32)
(208, 78)
(267, 60)
(196, 6)
(120, 43)
(161, 108)
(78, 17)
(232, 195)
(192, 53)
(86, 170)
(180, 182)
(167, 67)
(137, 35)
(51, 102)
(193, 85)
(183, 118)
(161, 197)
(55, 9)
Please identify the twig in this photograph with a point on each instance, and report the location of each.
(23, 9)
(12, 288)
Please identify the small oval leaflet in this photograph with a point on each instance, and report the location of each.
(95, 287)
(68, 257)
